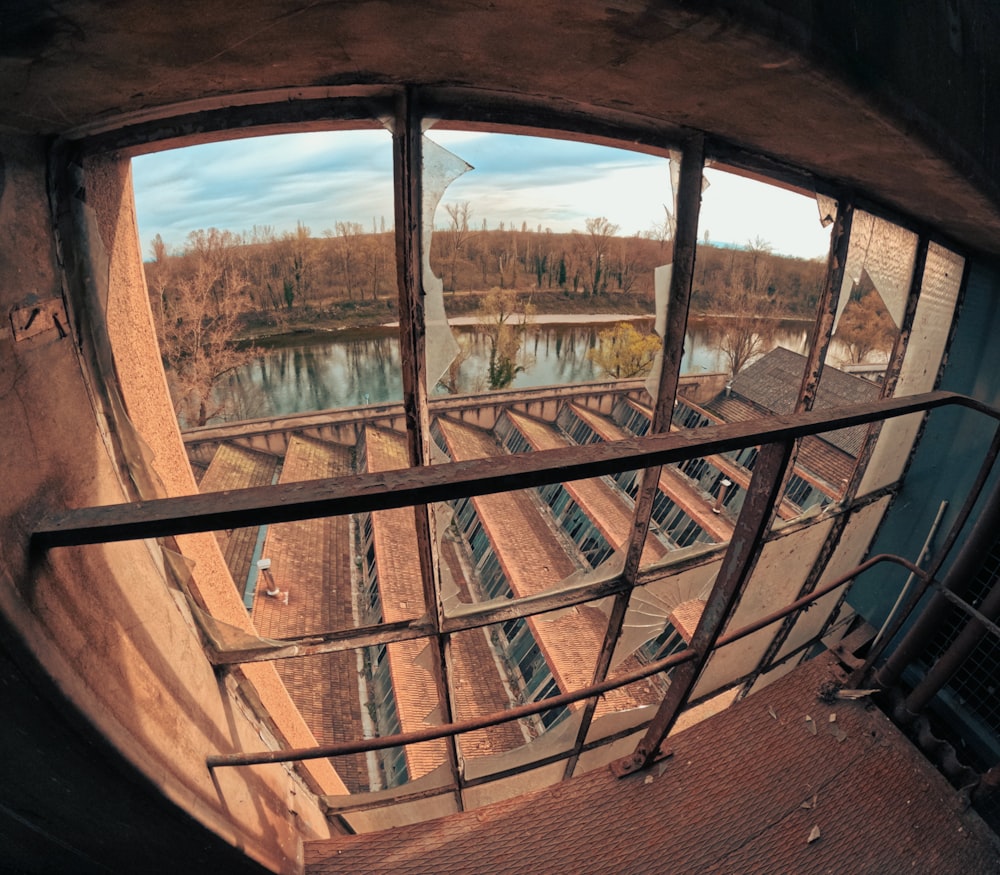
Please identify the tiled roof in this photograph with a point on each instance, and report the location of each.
(748, 790)
(311, 560)
(686, 616)
(606, 428)
(477, 686)
(401, 592)
(773, 382)
(675, 484)
(831, 466)
(595, 497)
(235, 467)
(534, 561)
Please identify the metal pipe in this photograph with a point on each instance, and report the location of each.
(924, 550)
(863, 673)
(966, 564)
(953, 658)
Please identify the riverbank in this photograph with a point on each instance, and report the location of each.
(372, 317)
(550, 306)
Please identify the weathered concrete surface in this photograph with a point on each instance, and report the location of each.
(122, 660)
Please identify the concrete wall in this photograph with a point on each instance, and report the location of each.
(108, 625)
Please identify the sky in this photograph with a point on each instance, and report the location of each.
(321, 178)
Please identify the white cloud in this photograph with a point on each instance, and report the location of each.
(320, 178)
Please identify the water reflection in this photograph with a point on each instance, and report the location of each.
(323, 371)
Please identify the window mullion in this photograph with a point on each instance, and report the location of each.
(408, 188)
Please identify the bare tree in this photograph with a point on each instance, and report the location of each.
(349, 234)
(200, 324)
(600, 233)
(457, 236)
(746, 304)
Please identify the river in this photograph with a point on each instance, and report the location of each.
(304, 373)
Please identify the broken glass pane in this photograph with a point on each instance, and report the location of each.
(918, 373)
(851, 550)
(648, 632)
(879, 260)
(440, 169)
(546, 251)
(784, 564)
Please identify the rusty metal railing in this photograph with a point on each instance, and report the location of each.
(423, 485)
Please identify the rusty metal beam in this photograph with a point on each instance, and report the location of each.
(675, 659)
(737, 566)
(679, 299)
(678, 303)
(309, 499)
(407, 142)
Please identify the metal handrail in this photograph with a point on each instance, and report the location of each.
(423, 485)
(289, 502)
(366, 745)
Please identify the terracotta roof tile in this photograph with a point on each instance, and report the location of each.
(401, 591)
(311, 560)
(604, 505)
(773, 382)
(235, 467)
(534, 561)
(829, 466)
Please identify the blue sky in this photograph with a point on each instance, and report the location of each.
(321, 178)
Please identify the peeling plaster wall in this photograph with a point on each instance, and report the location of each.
(124, 662)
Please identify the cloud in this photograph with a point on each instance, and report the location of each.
(321, 178)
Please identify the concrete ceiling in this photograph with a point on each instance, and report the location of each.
(836, 99)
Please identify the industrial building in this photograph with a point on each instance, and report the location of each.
(572, 648)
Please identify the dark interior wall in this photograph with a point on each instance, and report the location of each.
(930, 63)
(953, 445)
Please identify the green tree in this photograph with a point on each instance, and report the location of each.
(624, 351)
(504, 318)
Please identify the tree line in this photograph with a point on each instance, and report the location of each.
(202, 292)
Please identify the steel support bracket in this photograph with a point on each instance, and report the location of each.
(632, 764)
(32, 319)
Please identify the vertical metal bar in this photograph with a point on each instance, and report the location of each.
(819, 342)
(679, 298)
(738, 564)
(408, 171)
(895, 364)
(678, 302)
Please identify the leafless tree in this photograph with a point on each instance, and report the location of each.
(457, 236)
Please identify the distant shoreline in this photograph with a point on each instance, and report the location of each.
(549, 319)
